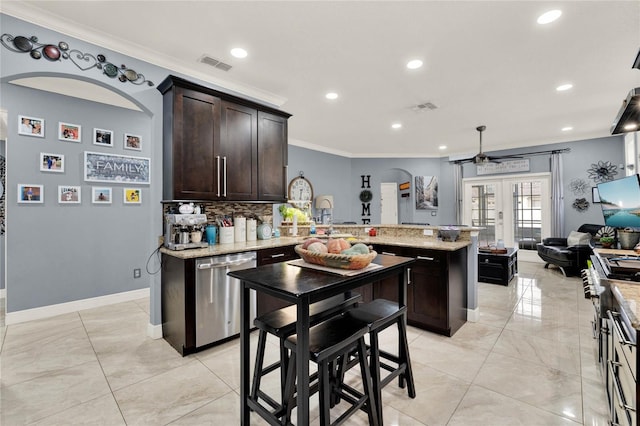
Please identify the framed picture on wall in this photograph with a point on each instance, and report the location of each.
(101, 195)
(69, 132)
(132, 195)
(69, 194)
(102, 137)
(132, 142)
(30, 126)
(51, 162)
(595, 195)
(426, 192)
(30, 193)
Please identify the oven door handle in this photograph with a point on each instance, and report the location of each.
(616, 385)
(616, 324)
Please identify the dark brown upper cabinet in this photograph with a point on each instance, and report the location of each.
(217, 146)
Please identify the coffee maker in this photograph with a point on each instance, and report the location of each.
(178, 228)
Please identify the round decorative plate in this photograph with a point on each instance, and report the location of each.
(366, 196)
(606, 231)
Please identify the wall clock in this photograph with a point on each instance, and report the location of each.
(300, 190)
(366, 196)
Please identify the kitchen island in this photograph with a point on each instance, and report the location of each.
(441, 295)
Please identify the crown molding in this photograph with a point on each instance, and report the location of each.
(32, 14)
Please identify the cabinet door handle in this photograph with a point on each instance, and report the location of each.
(425, 258)
(284, 181)
(388, 254)
(622, 403)
(218, 170)
(224, 167)
(408, 276)
(273, 256)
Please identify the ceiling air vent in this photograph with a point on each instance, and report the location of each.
(206, 59)
(424, 106)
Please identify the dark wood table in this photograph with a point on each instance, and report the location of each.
(302, 287)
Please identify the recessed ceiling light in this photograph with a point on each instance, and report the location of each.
(564, 87)
(631, 126)
(548, 17)
(567, 129)
(331, 95)
(442, 147)
(396, 125)
(238, 52)
(414, 64)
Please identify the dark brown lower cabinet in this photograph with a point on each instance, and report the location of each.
(437, 291)
(265, 302)
(436, 294)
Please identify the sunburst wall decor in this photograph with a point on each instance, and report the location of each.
(578, 186)
(602, 172)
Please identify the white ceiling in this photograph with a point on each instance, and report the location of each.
(485, 63)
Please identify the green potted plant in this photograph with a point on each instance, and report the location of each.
(606, 242)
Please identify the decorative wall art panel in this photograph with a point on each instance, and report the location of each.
(113, 168)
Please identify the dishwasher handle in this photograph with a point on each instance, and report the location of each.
(225, 264)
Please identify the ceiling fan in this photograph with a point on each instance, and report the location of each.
(482, 158)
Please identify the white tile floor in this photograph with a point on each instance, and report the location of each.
(528, 361)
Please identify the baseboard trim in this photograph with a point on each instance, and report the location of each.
(77, 305)
(473, 315)
(154, 331)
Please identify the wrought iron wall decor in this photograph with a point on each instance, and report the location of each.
(60, 51)
(581, 204)
(603, 171)
(578, 186)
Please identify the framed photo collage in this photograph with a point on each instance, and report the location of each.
(99, 167)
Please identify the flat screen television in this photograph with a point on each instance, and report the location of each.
(620, 202)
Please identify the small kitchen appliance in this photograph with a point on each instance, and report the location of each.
(178, 229)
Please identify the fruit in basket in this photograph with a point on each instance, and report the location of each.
(317, 247)
(337, 245)
(310, 241)
(358, 248)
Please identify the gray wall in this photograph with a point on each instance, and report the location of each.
(583, 154)
(329, 175)
(62, 253)
(347, 188)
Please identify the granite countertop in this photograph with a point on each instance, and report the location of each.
(218, 249)
(404, 241)
(628, 295)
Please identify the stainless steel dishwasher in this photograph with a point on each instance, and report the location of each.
(218, 296)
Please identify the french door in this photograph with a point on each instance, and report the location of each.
(515, 209)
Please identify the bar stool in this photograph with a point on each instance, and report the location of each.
(379, 315)
(329, 342)
(282, 324)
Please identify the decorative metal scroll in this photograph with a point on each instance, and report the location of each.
(84, 61)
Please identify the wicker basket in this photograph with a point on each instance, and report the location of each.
(342, 261)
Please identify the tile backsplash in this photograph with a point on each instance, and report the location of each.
(262, 211)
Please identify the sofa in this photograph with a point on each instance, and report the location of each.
(569, 254)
